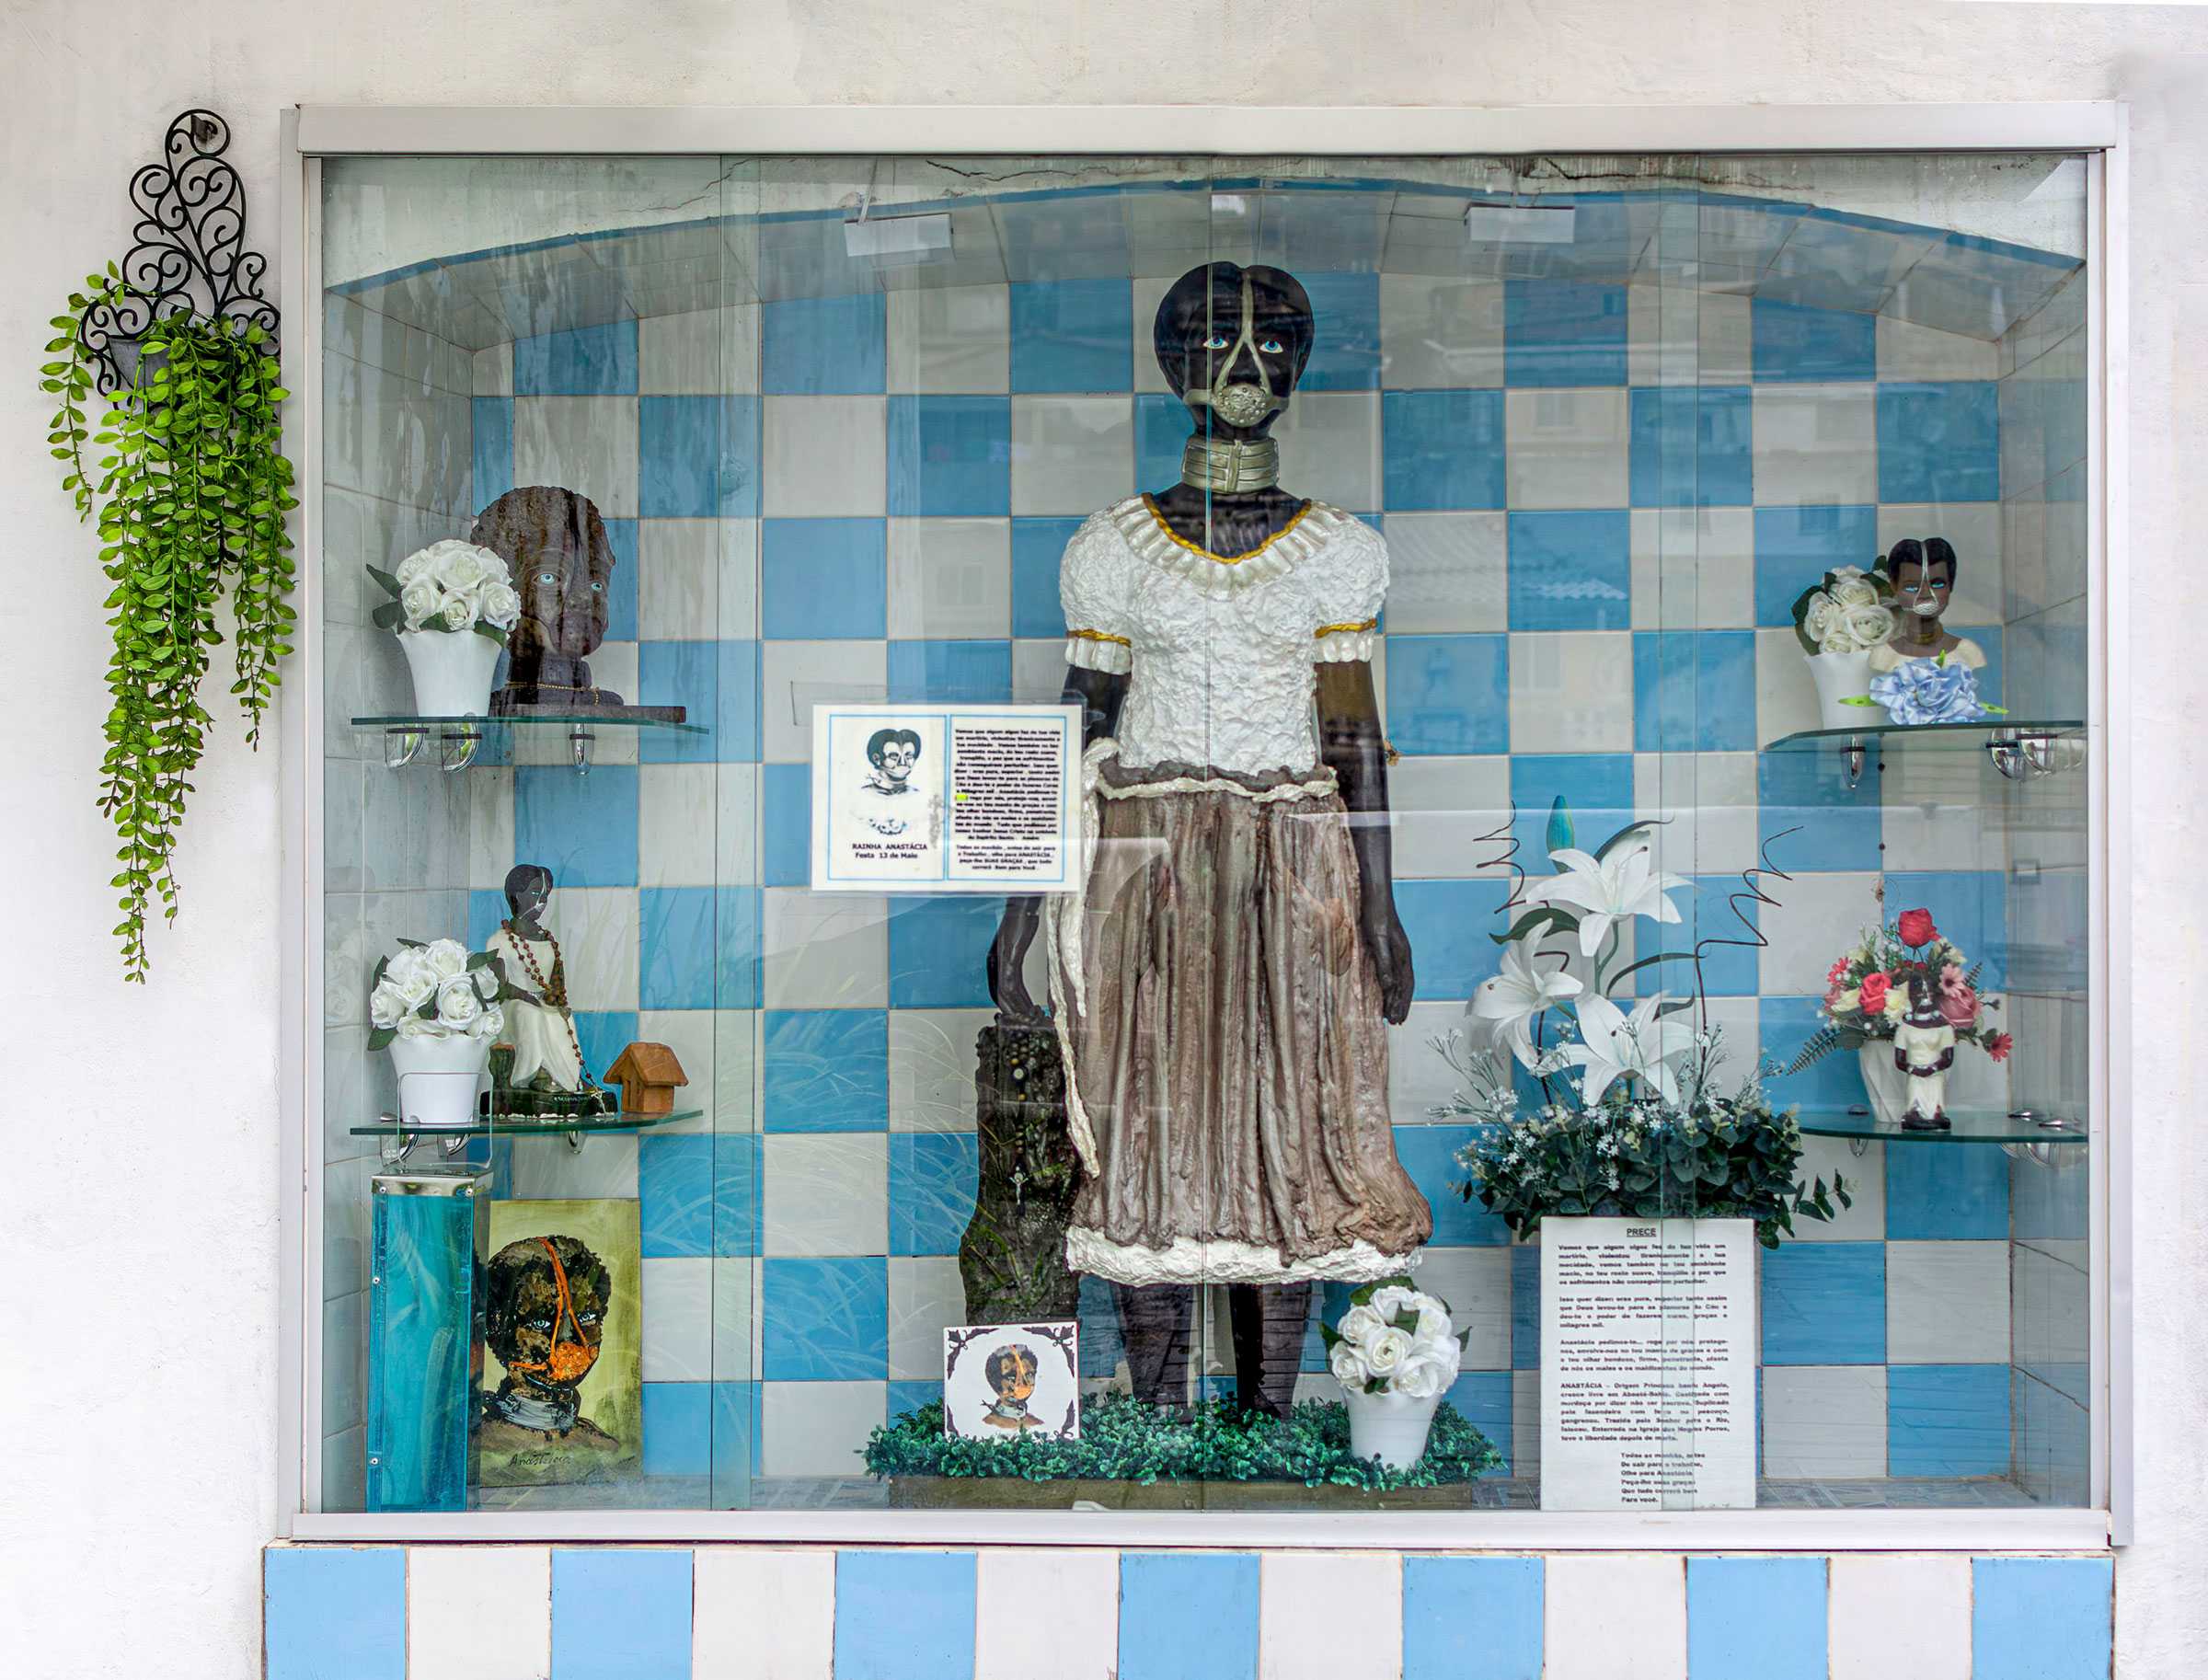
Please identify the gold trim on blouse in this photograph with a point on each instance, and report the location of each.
(1225, 559)
(1099, 635)
(1336, 629)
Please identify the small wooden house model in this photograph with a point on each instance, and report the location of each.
(648, 1074)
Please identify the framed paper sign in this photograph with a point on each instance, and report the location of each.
(1006, 1382)
(956, 798)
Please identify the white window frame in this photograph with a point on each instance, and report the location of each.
(2098, 129)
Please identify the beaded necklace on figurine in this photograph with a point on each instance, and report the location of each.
(553, 991)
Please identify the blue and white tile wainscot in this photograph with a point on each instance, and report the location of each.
(487, 1612)
(874, 492)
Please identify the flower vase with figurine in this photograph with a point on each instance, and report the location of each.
(1903, 998)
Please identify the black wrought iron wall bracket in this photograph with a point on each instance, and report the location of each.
(188, 252)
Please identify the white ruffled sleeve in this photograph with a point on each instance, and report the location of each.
(1349, 588)
(1093, 583)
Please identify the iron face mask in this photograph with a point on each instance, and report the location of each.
(1237, 402)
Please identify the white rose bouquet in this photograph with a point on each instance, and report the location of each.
(437, 990)
(1395, 1339)
(1844, 612)
(450, 587)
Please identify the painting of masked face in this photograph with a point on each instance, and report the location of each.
(562, 1398)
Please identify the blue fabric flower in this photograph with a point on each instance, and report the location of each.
(1929, 691)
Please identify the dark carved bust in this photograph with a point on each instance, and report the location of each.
(555, 546)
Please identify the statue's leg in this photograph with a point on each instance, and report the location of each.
(1267, 1321)
(1153, 1324)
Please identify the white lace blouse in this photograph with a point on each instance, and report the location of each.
(1222, 651)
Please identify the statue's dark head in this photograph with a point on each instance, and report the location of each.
(528, 885)
(1231, 342)
(554, 545)
(1922, 574)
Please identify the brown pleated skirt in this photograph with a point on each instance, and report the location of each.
(1227, 1059)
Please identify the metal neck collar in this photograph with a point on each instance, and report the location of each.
(1226, 466)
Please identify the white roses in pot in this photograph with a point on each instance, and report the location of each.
(437, 1008)
(452, 605)
(1838, 620)
(1395, 1354)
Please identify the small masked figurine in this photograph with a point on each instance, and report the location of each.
(543, 1315)
(1923, 577)
(1924, 1048)
(554, 545)
(546, 1055)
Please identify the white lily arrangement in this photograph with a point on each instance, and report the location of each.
(1395, 1338)
(1846, 611)
(450, 587)
(1591, 899)
(1647, 1131)
(436, 989)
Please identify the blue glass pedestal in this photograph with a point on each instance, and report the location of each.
(430, 1238)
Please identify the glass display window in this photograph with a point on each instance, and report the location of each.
(1238, 835)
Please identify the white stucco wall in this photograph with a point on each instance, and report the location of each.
(138, 1239)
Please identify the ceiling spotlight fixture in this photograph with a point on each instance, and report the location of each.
(896, 242)
(1489, 223)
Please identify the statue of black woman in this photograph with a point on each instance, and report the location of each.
(555, 546)
(1223, 981)
(1923, 576)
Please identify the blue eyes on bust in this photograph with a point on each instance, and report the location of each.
(597, 587)
(1219, 341)
(547, 577)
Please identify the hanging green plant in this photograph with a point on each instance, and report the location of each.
(190, 494)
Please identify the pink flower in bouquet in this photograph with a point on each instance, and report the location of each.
(1951, 978)
(1958, 1005)
(1836, 974)
(1916, 928)
(1999, 1045)
(1875, 987)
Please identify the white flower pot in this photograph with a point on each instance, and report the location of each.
(1888, 1085)
(1839, 677)
(451, 671)
(438, 1078)
(1389, 1427)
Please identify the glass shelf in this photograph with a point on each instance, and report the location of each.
(610, 718)
(461, 738)
(1970, 1126)
(522, 1125)
(396, 1141)
(2022, 749)
(1930, 737)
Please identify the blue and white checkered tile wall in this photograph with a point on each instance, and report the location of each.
(537, 1613)
(868, 496)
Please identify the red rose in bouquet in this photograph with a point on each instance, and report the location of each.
(1916, 928)
(1875, 987)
